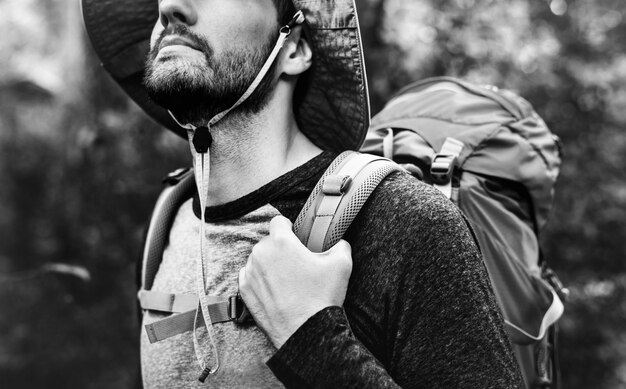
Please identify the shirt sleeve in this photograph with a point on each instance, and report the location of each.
(419, 313)
(324, 353)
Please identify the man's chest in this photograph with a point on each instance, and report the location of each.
(242, 350)
(227, 246)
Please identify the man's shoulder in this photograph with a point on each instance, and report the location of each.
(403, 197)
(411, 219)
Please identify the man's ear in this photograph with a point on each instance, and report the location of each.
(297, 56)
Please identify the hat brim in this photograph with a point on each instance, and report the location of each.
(334, 113)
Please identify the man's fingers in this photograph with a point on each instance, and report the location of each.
(247, 284)
(243, 282)
(279, 225)
(282, 235)
(340, 257)
(341, 248)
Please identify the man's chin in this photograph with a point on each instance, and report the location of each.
(168, 64)
(173, 74)
(177, 94)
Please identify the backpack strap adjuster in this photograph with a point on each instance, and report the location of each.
(550, 276)
(336, 185)
(237, 310)
(442, 168)
(444, 164)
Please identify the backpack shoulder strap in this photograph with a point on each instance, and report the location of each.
(180, 188)
(331, 207)
(338, 197)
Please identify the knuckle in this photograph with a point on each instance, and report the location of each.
(255, 252)
(278, 219)
(281, 240)
(342, 252)
(258, 251)
(345, 245)
(345, 262)
(276, 223)
(347, 267)
(347, 257)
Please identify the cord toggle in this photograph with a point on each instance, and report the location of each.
(202, 139)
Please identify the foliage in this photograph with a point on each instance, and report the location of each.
(81, 167)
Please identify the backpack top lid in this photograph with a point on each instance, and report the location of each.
(502, 135)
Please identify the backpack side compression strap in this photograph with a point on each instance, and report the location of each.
(338, 198)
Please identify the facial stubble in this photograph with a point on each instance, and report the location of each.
(197, 88)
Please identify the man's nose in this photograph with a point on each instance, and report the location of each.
(177, 12)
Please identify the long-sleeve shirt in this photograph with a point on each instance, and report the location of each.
(419, 310)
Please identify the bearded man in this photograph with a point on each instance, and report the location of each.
(268, 94)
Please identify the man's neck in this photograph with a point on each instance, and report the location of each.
(249, 151)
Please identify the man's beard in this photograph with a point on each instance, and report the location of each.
(196, 92)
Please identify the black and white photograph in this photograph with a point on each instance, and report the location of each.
(313, 194)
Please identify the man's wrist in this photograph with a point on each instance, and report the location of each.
(293, 359)
(295, 323)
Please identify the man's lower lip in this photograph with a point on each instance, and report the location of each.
(176, 47)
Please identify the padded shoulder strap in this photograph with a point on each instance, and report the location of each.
(180, 189)
(338, 198)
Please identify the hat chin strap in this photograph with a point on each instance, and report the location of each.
(285, 31)
(200, 142)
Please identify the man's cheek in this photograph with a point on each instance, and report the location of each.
(156, 32)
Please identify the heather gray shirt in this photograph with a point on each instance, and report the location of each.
(243, 350)
(419, 311)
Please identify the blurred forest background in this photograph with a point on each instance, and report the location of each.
(80, 168)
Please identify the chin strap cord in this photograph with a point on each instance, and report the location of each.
(200, 141)
(285, 32)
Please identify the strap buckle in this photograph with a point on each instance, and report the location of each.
(237, 310)
(442, 168)
(335, 185)
(297, 19)
(550, 276)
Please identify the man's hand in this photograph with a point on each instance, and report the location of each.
(284, 284)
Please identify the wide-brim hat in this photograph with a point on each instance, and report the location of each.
(334, 112)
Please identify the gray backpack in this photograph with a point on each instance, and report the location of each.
(495, 158)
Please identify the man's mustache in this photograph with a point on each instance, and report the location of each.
(182, 31)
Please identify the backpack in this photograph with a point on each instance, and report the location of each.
(489, 152)
(458, 137)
